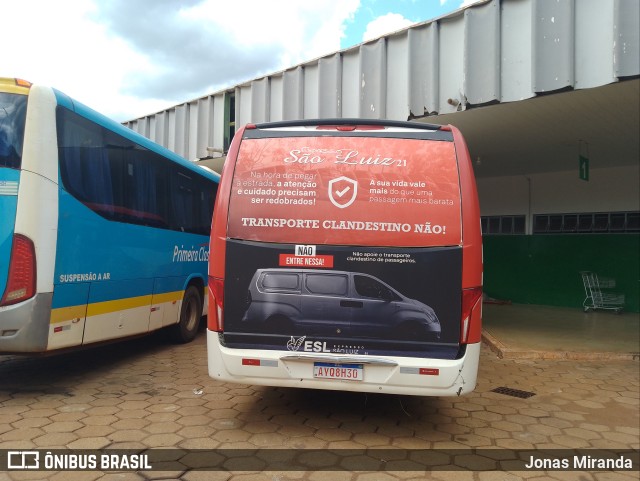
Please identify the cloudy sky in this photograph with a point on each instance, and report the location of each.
(129, 58)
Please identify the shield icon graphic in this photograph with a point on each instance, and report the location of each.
(343, 191)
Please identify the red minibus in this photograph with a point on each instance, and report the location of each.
(346, 254)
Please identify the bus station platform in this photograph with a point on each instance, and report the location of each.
(521, 331)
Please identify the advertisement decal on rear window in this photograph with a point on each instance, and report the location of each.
(344, 190)
(370, 301)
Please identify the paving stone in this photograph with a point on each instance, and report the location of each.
(486, 416)
(373, 439)
(570, 441)
(54, 440)
(200, 443)
(268, 440)
(231, 436)
(207, 476)
(83, 476)
(163, 440)
(90, 443)
(473, 440)
(472, 422)
(520, 419)
(29, 422)
(22, 434)
(94, 431)
(296, 431)
(330, 476)
(162, 417)
(493, 433)
(620, 437)
(510, 427)
(38, 412)
(101, 410)
(123, 435)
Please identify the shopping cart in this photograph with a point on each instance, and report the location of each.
(596, 297)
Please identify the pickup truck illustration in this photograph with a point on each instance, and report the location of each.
(334, 304)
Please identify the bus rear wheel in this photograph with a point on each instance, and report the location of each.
(190, 314)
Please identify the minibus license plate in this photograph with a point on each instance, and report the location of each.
(329, 370)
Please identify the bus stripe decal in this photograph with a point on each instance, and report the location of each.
(64, 314)
(168, 297)
(108, 307)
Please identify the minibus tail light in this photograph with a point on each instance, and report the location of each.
(470, 298)
(21, 281)
(216, 304)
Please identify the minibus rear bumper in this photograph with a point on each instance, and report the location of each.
(391, 375)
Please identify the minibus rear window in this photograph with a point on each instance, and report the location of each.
(370, 191)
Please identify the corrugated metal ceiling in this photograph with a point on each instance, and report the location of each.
(475, 68)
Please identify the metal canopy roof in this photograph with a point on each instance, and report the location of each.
(525, 80)
(546, 134)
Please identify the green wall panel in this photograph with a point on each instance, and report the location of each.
(545, 269)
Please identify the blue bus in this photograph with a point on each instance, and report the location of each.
(104, 234)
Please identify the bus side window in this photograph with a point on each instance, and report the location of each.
(84, 164)
(182, 205)
(124, 182)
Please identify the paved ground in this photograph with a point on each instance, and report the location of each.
(150, 394)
